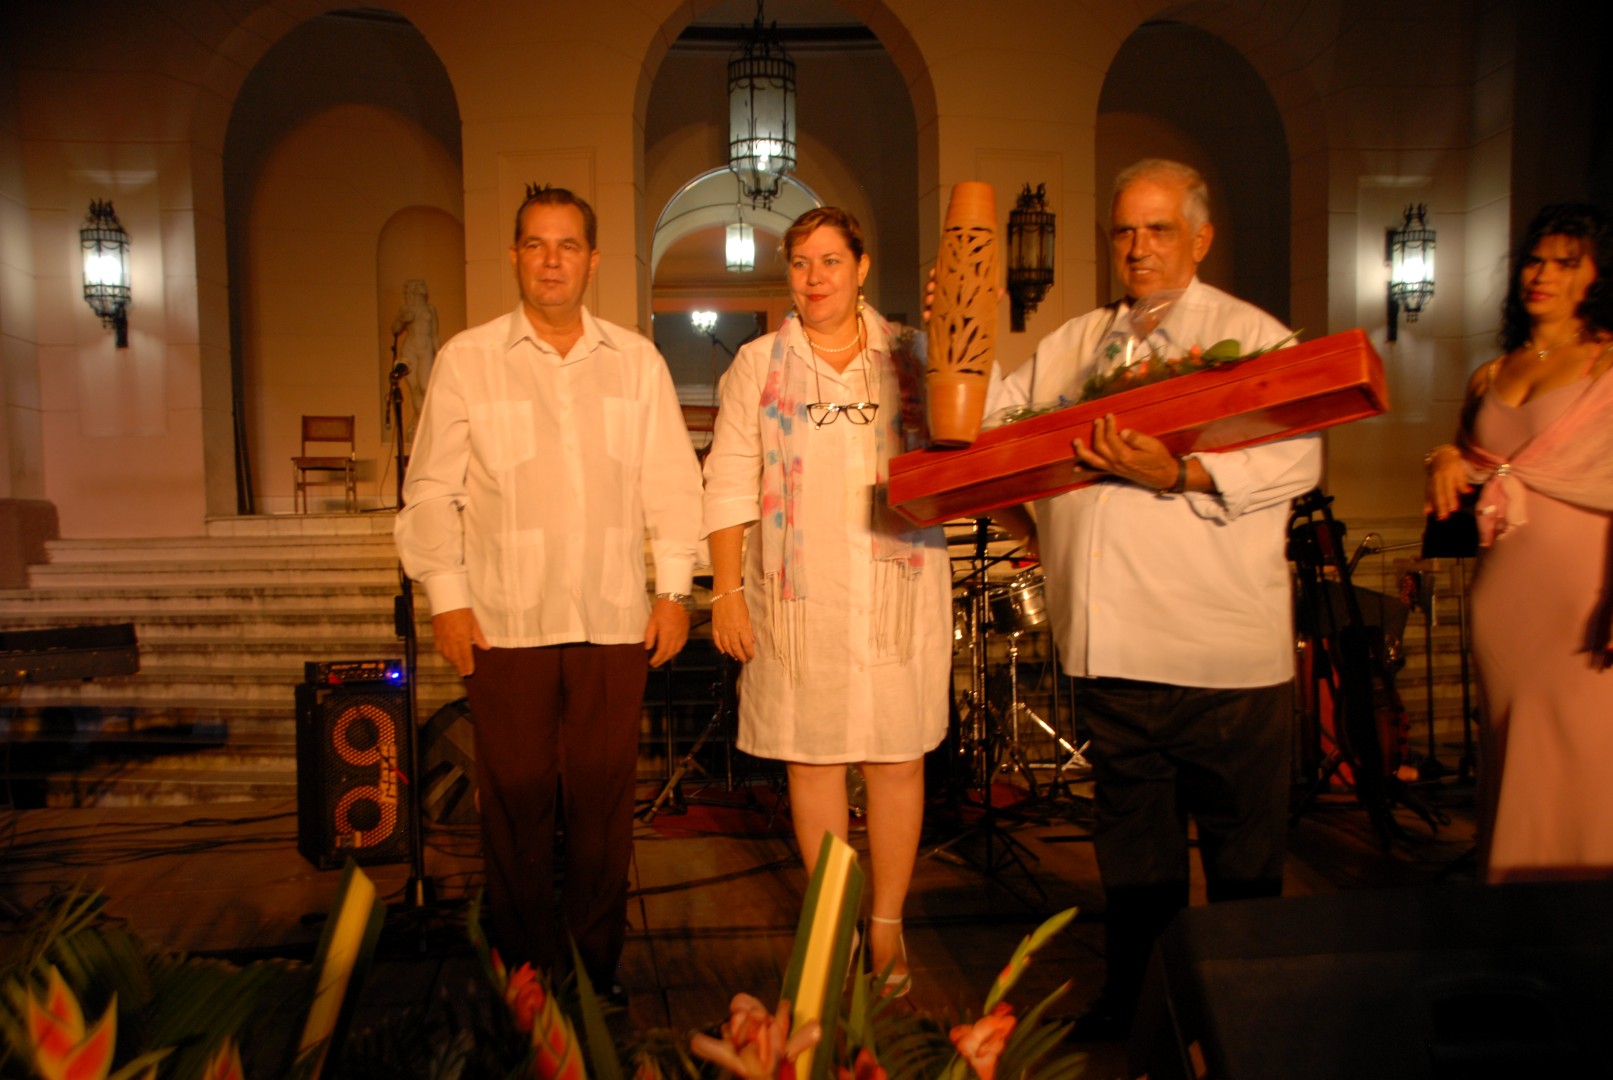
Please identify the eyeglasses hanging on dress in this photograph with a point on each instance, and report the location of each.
(822, 413)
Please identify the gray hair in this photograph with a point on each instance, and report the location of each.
(1196, 198)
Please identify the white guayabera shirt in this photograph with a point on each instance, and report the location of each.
(1189, 590)
(534, 477)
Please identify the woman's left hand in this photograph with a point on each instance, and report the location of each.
(1447, 482)
(731, 629)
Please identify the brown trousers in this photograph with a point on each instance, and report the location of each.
(563, 716)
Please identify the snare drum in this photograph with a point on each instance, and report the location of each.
(1018, 605)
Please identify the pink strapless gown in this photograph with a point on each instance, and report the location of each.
(1539, 595)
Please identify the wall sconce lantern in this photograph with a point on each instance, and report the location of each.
(105, 249)
(1411, 267)
(761, 113)
(741, 246)
(1030, 254)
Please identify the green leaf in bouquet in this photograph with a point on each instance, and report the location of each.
(345, 948)
(1022, 956)
(814, 981)
(602, 1059)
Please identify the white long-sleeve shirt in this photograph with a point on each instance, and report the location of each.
(1189, 590)
(533, 478)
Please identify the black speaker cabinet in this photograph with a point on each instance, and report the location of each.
(352, 761)
(1437, 982)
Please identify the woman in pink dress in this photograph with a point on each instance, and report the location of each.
(1536, 441)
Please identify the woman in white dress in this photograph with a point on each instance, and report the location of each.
(839, 608)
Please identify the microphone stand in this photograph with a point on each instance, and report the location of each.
(420, 891)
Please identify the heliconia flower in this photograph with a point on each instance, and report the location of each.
(525, 996)
(224, 1064)
(556, 1053)
(982, 1041)
(865, 1067)
(63, 1049)
(647, 1068)
(756, 1044)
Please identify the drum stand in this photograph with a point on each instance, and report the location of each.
(979, 748)
(1076, 761)
(724, 711)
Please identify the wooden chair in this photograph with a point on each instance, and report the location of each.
(307, 469)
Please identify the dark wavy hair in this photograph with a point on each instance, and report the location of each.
(1594, 231)
(833, 217)
(545, 195)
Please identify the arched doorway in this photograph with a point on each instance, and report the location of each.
(857, 144)
(1153, 105)
(689, 243)
(341, 164)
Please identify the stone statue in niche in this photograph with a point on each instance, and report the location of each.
(415, 343)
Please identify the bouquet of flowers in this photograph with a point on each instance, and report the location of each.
(1139, 351)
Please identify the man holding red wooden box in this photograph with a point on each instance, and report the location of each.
(1167, 585)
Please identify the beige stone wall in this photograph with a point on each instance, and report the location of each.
(1380, 103)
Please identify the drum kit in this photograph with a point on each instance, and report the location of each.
(999, 606)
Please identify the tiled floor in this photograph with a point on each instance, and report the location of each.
(716, 891)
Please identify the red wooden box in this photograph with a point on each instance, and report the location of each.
(1319, 384)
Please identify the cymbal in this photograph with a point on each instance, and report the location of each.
(993, 536)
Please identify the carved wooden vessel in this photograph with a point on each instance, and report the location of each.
(963, 316)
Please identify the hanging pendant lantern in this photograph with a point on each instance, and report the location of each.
(761, 113)
(741, 246)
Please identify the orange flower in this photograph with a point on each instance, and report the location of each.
(225, 1063)
(866, 1067)
(982, 1041)
(756, 1044)
(63, 1048)
(556, 1052)
(525, 996)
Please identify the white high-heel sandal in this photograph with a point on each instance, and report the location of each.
(893, 985)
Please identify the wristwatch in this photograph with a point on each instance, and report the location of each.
(1180, 487)
(686, 600)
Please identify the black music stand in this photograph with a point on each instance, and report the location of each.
(420, 892)
(1456, 537)
(1348, 658)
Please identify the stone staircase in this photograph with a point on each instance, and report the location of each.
(227, 621)
(225, 624)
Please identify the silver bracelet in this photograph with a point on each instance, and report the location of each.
(729, 592)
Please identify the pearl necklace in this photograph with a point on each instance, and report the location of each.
(838, 348)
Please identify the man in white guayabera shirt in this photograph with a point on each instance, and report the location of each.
(549, 443)
(1168, 592)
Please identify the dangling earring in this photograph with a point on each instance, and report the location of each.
(861, 302)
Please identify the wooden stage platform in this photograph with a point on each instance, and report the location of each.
(716, 892)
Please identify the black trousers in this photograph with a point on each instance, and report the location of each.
(563, 716)
(1161, 754)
